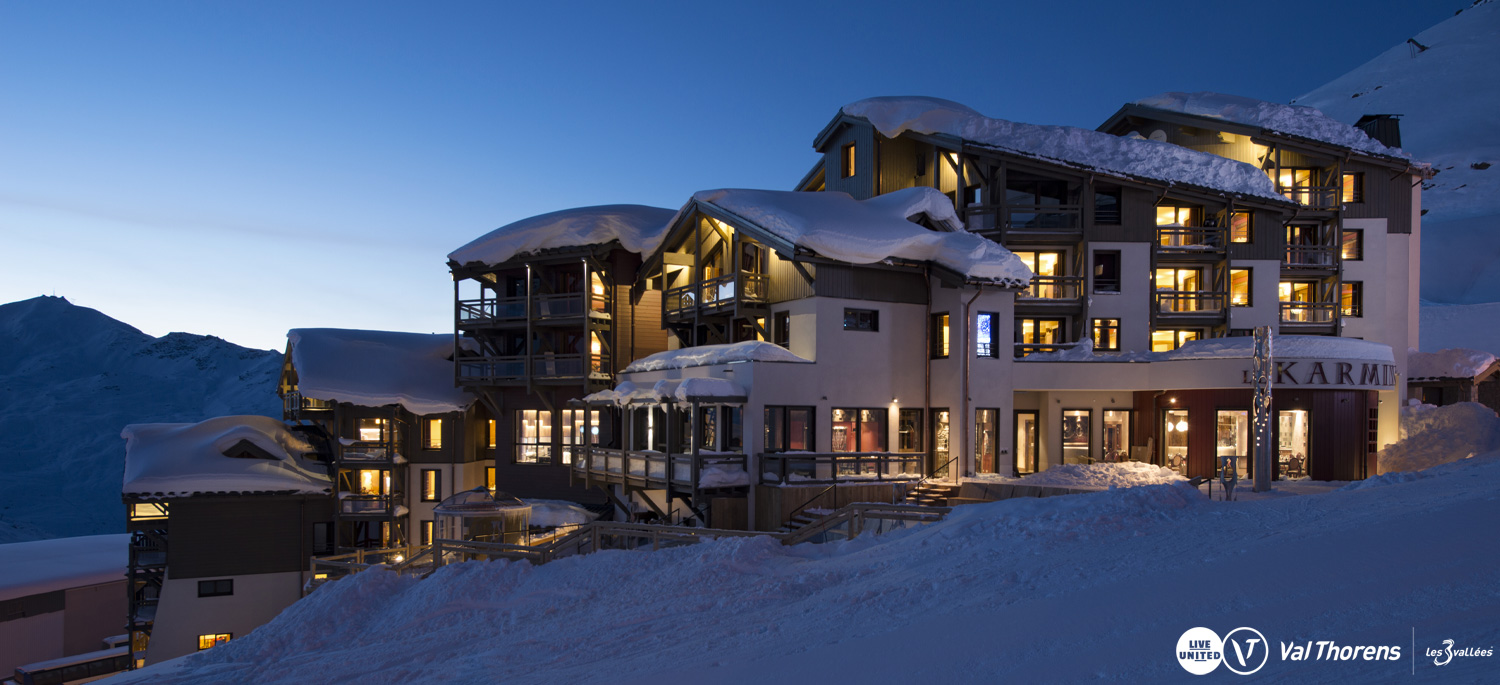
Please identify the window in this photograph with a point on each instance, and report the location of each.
(1076, 436)
(971, 196)
(1352, 244)
(1107, 335)
(216, 588)
(1107, 206)
(373, 481)
(986, 422)
(909, 431)
(1033, 335)
(322, 533)
(424, 533)
(1297, 184)
(489, 479)
(1240, 227)
(1232, 441)
(984, 334)
(1116, 445)
(861, 320)
(1046, 266)
(1353, 188)
(492, 434)
(1106, 272)
(1181, 290)
(213, 640)
(1239, 287)
(789, 429)
(372, 430)
(847, 168)
(858, 430)
(939, 335)
(1167, 215)
(1038, 204)
(781, 328)
(575, 435)
(1174, 444)
(433, 434)
(1171, 339)
(732, 426)
(533, 436)
(432, 485)
(1351, 298)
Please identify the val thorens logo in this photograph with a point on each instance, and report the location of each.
(1245, 650)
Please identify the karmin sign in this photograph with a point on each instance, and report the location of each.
(1331, 373)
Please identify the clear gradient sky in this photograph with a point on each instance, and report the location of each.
(242, 168)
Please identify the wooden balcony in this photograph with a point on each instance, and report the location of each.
(1191, 241)
(1028, 224)
(371, 506)
(1310, 314)
(1325, 198)
(1026, 349)
(722, 295)
(1310, 257)
(543, 368)
(808, 468)
(545, 309)
(361, 454)
(1194, 305)
(1051, 293)
(651, 469)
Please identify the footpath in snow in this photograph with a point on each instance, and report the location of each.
(1096, 586)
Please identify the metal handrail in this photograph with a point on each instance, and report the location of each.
(1191, 238)
(1312, 312)
(882, 461)
(1201, 301)
(1053, 288)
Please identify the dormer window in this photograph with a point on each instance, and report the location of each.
(846, 170)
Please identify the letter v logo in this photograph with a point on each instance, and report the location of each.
(1245, 641)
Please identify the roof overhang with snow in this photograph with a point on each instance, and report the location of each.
(172, 460)
(377, 368)
(566, 233)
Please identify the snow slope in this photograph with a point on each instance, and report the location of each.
(1448, 96)
(1085, 587)
(71, 378)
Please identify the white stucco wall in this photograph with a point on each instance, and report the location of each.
(182, 615)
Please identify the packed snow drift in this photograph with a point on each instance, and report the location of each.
(377, 368)
(1438, 435)
(1291, 120)
(1123, 474)
(709, 355)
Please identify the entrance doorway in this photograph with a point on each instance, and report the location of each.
(1174, 443)
(1027, 446)
(985, 424)
(1291, 433)
(1232, 439)
(940, 455)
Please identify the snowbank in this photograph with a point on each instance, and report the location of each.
(1291, 120)
(709, 355)
(638, 228)
(718, 476)
(1120, 474)
(377, 368)
(33, 568)
(1450, 363)
(1076, 147)
(840, 227)
(552, 513)
(1438, 435)
(182, 459)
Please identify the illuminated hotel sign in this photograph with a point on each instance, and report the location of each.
(1306, 372)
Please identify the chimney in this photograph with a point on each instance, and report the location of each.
(1385, 128)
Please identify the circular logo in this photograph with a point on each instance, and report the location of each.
(1200, 650)
(1245, 650)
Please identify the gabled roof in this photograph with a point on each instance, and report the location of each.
(1093, 151)
(1256, 118)
(377, 368)
(637, 228)
(185, 459)
(835, 226)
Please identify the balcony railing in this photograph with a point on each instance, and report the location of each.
(543, 307)
(1311, 256)
(367, 505)
(1190, 302)
(715, 469)
(1056, 218)
(796, 468)
(366, 452)
(1054, 288)
(1026, 349)
(544, 366)
(1313, 197)
(1190, 239)
(1309, 312)
(716, 293)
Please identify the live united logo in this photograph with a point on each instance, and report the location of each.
(1331, 373)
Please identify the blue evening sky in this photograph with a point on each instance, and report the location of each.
(241, 168)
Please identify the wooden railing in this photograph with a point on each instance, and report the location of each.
(1189, 239)
(364, 452)
(543, 307)
(797, 468)
(1053, 288)
(717, 469)
(1309, 312)
(544, 366)
(1311, 256)
(1205, 302)
(1061, 218)
(715, 293)
(1025, 349)
(356, 505)
(1314, 197)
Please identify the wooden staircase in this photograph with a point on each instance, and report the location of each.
(931, 494)
(802, 519)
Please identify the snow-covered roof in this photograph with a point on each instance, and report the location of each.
(638, 228)
(673, 390)
(1075, 147)
(1451, 363)
(183, 459)
(1239, 347)
(708, 355)
(377, 368)
(1274, 117)
(32, 568)
(837, 226)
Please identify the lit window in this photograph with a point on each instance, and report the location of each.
(909, 431)
(861, 320)
(373, 482)
(789, 429)
(1171, 339)
(984, 334)
(432, 485)
(1107, 334)
(1352, 244)
(434, 438)
(372, 430)
(216, 588)
(1351, 298)
(1034, 335)
(534, 436)
(425, 533)
(940, 336)
(489, 479)
(213, 640)
(492, 433)
(574, 432)
(1174, 216)
(847, 170)
(858, 430)
(1239, 227)
(1354, 188)
(1239, 287)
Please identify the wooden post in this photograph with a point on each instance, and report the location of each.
(696, 465)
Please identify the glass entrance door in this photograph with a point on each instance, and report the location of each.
(1291, 455)
(1174, 441)
(940, 456)
(986, 422)
(1026, 442)
(1232, 439)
